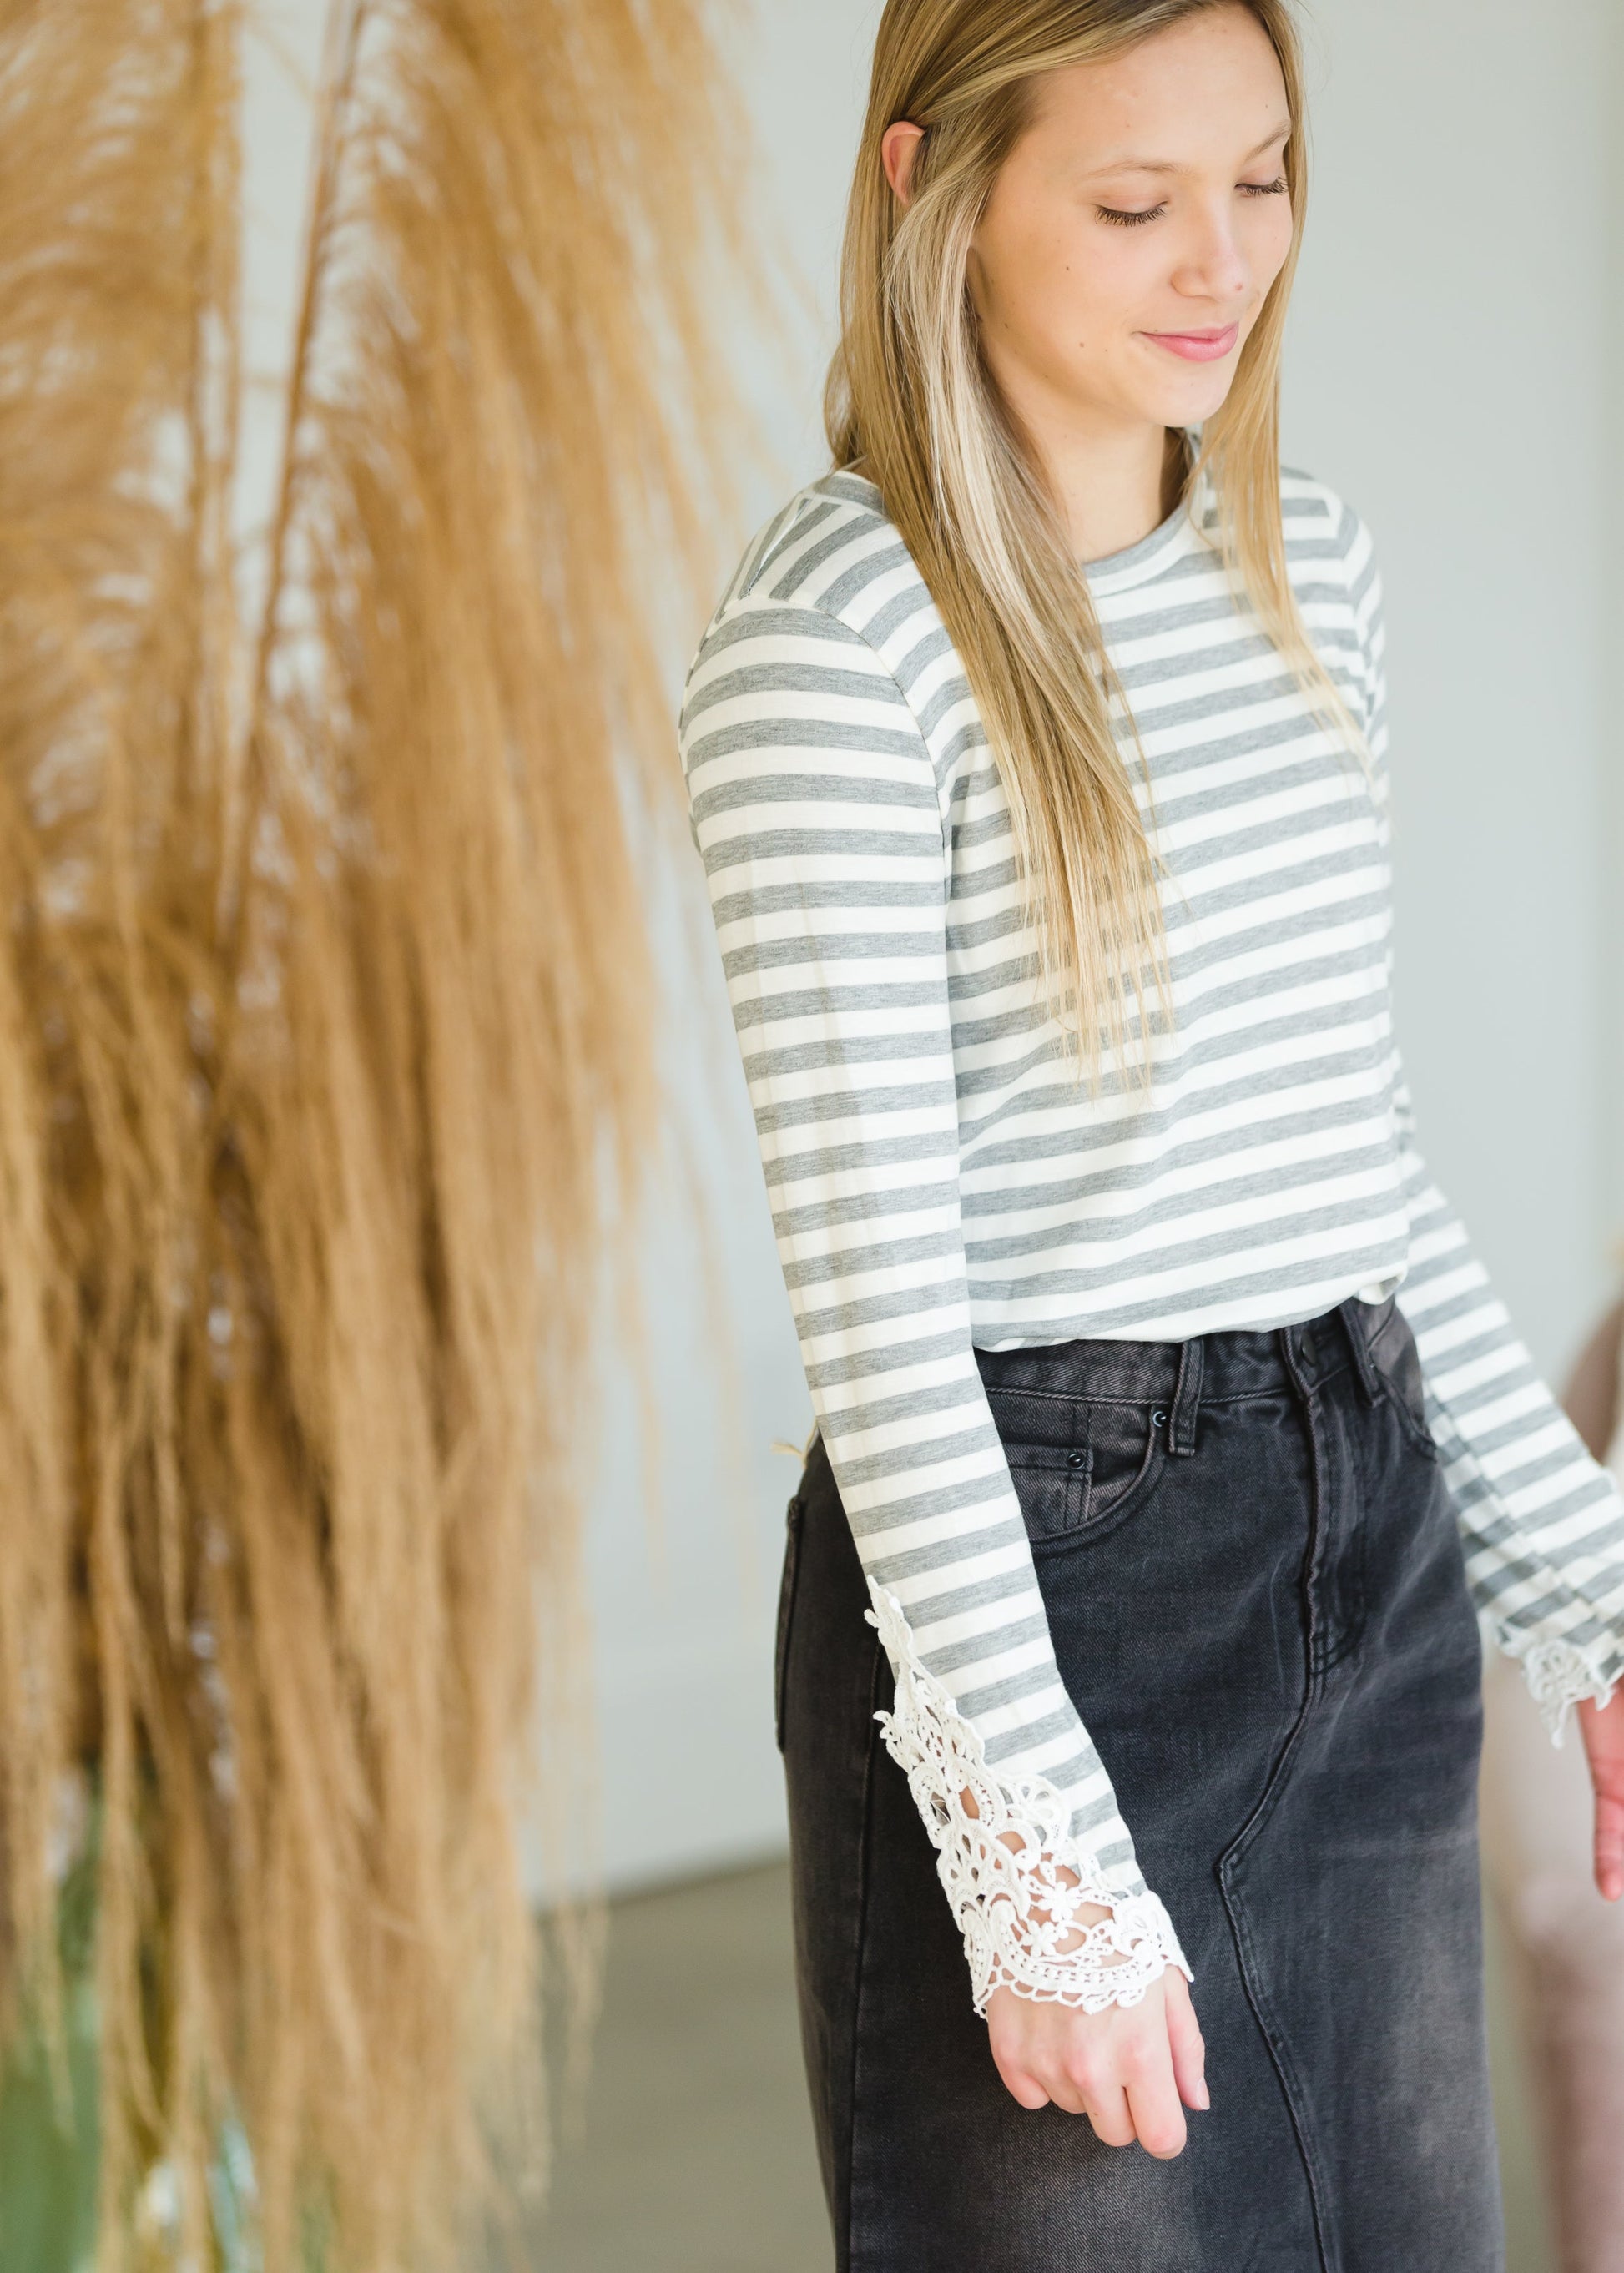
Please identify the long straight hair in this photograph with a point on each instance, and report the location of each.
(911, 402)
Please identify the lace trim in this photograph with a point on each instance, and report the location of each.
(1559, 1674)
(1011, 1905)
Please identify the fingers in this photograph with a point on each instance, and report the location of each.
(1145, 2108)
(1076, 2088)
(1126, 2070)
(1602, 1727)
(1104, 2103)
(1156, 2118)
(1022, 2085)
(1107, 2109)
(1145, 2064)
(1609, 1848)
(1130, 2085)
(1186, 2044)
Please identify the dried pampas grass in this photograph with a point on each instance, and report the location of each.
(326, 1060)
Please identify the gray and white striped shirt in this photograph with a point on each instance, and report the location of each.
(939, 1183)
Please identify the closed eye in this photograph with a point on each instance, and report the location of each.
(1136, 217)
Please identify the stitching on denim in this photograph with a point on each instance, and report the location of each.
(1235, 1397)
(1273, 2036)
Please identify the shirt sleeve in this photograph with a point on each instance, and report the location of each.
(814, 805)
(1542, 1522)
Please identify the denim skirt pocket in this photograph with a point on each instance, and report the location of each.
(787, 1613)
(1081, 1467)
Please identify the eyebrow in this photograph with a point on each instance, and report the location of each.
(1169, 166)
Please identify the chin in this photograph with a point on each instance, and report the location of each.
(1191, 406)
(1166, 391)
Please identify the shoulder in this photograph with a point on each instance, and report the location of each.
(819, 552)
(828, 558)
(818, 607)
(1330, 555)
(1332, 564)
(1320, 525)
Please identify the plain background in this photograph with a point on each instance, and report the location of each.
(1453, 372)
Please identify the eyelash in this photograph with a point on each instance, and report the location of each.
(1125, 220)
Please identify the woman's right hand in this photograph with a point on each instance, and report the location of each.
(1126, 2069)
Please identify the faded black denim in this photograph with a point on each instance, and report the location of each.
(1254, 1582)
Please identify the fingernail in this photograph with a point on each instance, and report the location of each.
(1202, 2096)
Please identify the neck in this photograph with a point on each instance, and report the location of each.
(1113, 484)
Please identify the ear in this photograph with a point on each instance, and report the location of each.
(899, 149)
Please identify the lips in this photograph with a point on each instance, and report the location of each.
(1198, 347)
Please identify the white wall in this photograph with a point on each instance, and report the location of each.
(1450, 372)
(1611, 836)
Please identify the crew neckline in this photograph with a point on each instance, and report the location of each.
(1181, 533)
(1138, 563)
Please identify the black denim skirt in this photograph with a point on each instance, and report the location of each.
(1255, 1585)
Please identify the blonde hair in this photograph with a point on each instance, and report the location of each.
(911, 400)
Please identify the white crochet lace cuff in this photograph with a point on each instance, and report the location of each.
(1560, 1675)
(1001, 1867)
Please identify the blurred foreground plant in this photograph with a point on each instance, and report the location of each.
(325, 1055)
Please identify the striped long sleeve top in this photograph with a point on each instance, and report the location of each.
(938, 1181)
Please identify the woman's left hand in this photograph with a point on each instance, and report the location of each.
(1603, 1730)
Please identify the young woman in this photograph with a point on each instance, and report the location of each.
(1169, 1437)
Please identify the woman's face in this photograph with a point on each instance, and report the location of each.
(1135, 229)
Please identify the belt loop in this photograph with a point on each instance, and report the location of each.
(1363, 1364)
(1187, 1398)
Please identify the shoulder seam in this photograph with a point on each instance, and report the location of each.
(752, 602)
(779, 531)
(772, 540)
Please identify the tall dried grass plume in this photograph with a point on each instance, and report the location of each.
(326, 1049)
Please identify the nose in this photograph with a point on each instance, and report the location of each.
(1211, 264)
